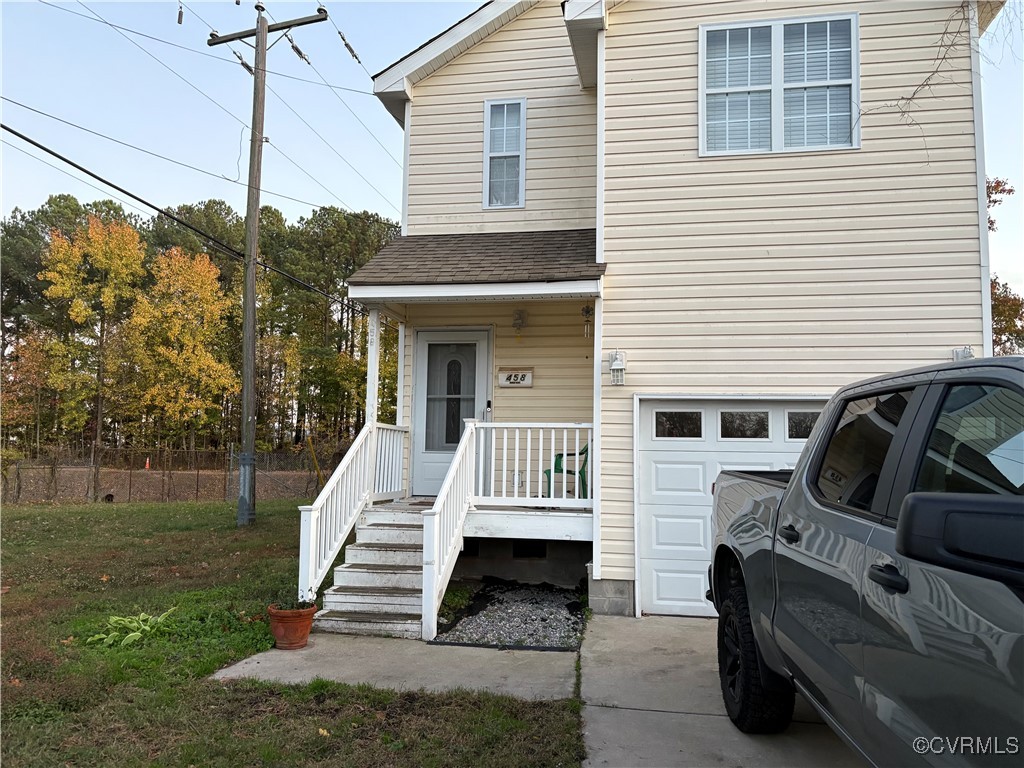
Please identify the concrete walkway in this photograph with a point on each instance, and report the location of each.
(649, 686)
(411, 665)
(652, 698)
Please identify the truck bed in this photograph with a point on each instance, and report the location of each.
(778, 477)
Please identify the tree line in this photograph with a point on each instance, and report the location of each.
(124, 331)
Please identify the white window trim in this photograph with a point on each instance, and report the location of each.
(777, 87)
(487, 153)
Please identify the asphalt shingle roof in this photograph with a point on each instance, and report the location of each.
(491, 257)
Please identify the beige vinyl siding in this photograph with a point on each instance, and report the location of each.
(785, 273)
(528, 58)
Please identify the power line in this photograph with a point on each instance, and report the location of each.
(298, 281)
(129, 30)
(350, 49)
(76, 178)
(156, 154)
(170, 69)
(211, 99)
(211, 240)
(335, 151)
(304, 121)
(344, 103)
(250, 70)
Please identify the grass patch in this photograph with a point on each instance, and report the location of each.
(456, 598)
(69, 569)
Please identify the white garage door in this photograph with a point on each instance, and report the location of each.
(683, 445)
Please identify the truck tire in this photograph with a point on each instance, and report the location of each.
(752, 707)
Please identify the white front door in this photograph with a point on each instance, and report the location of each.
(683, 445)
(450, 384)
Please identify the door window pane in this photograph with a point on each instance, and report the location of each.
(800, 423)
(678, 424)
(451, 393)
(977, 443)
(858, 447)
(745, 425)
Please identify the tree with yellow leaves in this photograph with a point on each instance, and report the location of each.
(172, 339)
(93, 279)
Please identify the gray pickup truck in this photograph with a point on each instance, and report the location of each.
(883, 577)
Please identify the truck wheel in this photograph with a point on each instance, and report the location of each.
(750, 706)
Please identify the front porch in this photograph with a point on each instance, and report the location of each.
(498, 359)
(505, 481)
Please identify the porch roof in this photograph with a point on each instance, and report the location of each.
(555, 256)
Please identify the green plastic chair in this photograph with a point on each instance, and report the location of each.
(561, 470)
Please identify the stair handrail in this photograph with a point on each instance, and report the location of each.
(327, 522)
(443, 524)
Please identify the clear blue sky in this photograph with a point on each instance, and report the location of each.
(86, 72)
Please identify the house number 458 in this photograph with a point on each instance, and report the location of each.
(517, 378)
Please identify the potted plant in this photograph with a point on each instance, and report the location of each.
(291, 620)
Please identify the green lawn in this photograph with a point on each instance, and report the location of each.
(68, 569)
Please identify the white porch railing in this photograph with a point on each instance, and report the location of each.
(370, 471)
(511, 465)
(390, 457)
(442, 527)
(534, 465)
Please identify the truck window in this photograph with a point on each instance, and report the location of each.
(977, 443)
(857, 449)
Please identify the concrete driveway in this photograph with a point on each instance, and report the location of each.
(651, 698)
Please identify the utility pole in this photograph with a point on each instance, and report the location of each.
(247, 458)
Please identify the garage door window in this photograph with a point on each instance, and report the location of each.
(744, 425)
(679, 424)
(858, 447)
(800, 423)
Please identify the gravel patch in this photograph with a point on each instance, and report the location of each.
(516, 615)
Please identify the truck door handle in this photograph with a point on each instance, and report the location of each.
(789, 534)
(889, 578)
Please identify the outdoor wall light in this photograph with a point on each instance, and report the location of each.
(519, 320)
(963, 353)
(617, 366)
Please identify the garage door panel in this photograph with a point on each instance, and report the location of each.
(674, 493)
(665, 479)
(670, 590)
(676, 535)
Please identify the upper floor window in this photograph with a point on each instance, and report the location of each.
(504, 153)
(779, 86)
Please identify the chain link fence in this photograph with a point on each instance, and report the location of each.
(167, 475)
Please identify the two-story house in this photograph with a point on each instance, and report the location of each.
(643, 241)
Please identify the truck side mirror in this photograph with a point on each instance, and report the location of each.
(979, 534)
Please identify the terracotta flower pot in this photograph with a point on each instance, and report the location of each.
(290, 628)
